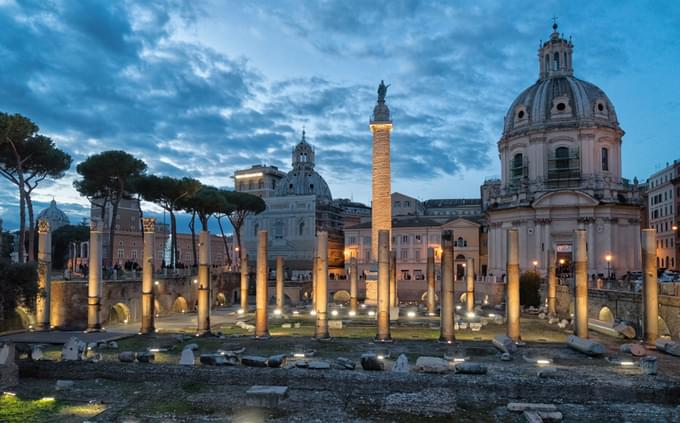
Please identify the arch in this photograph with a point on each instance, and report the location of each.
(157, 306)
(463, 298)
(27, 319)
(301, 228)
(664, 331)
(180, 305)
(118, 313)
(547, 62)
(562, 157)
(517, 166)
(460, 257)
(235, 296)
(423, 297)
(341, 296)
(220, 299)
(606, 315)
(556, 59)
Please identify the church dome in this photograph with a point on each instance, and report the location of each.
(558, 99)
(303, 179)
(56, 217)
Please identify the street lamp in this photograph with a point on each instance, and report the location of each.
(535, 265)
(608, 258)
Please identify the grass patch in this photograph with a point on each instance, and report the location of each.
(16, 410)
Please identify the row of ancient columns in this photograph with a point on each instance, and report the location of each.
(580, 290)
(386, 283)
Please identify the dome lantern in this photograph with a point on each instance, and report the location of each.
(555, 55)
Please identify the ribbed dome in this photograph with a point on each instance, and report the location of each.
(56, 217)
(303, 179)
(558, 102)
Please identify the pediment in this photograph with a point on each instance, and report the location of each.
(563, 199)
(460, 223)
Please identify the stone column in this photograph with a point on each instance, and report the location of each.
(204, 283)
(552, 284)
(381, 200)
(279, 283)
(244, 283)
(321, 330)
(261, 294)
(650, 287)
(42, 301)
(512, 286)
(580, 284)
(393, 279)
(470, 285)
(383, 334)
(148, 312)
(314, 279)
(94, 283)
(431, 281)
(353, 280)
(446, 297)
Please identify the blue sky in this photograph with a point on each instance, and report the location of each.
(202, 88)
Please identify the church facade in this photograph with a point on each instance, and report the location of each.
(560, 155)
(300, 205)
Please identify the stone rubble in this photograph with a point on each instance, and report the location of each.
(401, 365)
(431, 365)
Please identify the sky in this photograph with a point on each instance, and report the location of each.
(202, 88)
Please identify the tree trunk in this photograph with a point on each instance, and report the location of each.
(224, 239)
(237, 222)
(22, 204)
(192, 226)
(31, 227)
(173, 241)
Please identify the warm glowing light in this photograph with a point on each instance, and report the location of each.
(334, 313)
(542, 361)
(125, 321)
(248, 175)
(313, 312)
(492, 315)
(352, 313)
(380, 357)
(371, 313)
(10, 394)
(277, 312)
(240, 311)
(464, 264)
(627, 363)
(411, 314)
(608, 258)
(299, 355)
(458, 307)
(195, 280)
(47, 399)
(674, 227)
(561, 261)
(296, 312)
(154, 349)
(535, 263)
(458, 360)
(363, 305)
(470, 315)
(156, 283)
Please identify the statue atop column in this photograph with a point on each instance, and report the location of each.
(381, 113)
(382, 91)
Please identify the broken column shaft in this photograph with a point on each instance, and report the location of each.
(512, 288)
(244, 283)
(552, 284)
(383, 334)
(279, 284)
(650, 289)
(321, 328)
(353, 280)
(203, 283)
(470, 285)
(393, 279)
(42, 301)
(431, 304)
(261, 294)
(446, 297)
(148, 312)
(94, 282)
(580, 284)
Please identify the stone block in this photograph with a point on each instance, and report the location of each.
(504, 344)
(74, 350)
(187, 358)
(547, 372)
(370, 361)
(401, 365)
(64, 384)
(431, 365)
(276, 361)
(9, 371)
(126, 357)
(254, 361)
(648, 365)
(345, 363)
(668, 346)
(335, 324)
(319, 365)
(265, 396)
(524, 406)
(145, 357)
(468, 368)
(586, 346)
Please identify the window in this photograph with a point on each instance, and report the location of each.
(301, 231)
(404, 239)
(605, 159)
(367, 254)
(256, 229)
(404, 254)
(419, 239)
(278, 230)
(517, 167)
(557, 61)
(407, 204)
(133, 254)
(352, 240)
(121, 253)
(547, 62)
(562, 155)
(417, 252)
(397, 204)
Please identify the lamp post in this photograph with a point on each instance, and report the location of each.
(561, 266)
(608, 258)
(535, 263)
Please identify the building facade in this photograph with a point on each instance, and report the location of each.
(663, 190)
(301, 206)
(258, 180)
(560, 156)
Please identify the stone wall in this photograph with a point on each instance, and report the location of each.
(623, 305)
(121, 299)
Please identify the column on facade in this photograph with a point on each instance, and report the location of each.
(512, 288)
(94, 284)
(446, 310)
(261, 294)
(431, 282)
(42, 301)
(321, 328)
(353, 289)
(203, 283)
(593, 255)
(580, 284)
(314, 279)
(383, 334)
(244, 283)
(148, 312)
(650, 287)
(538, 241)
(279, 284)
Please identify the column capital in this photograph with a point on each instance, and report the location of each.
(96, 225)
(43, 226)
(149, 224)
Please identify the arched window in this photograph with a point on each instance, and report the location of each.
(256, 229)
(547, 62)
(557, 61)
(562, 158)
(278, 230)
(605, 159)
(301, 228)
(517, 166)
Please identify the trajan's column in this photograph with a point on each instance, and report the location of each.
(381, 203)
